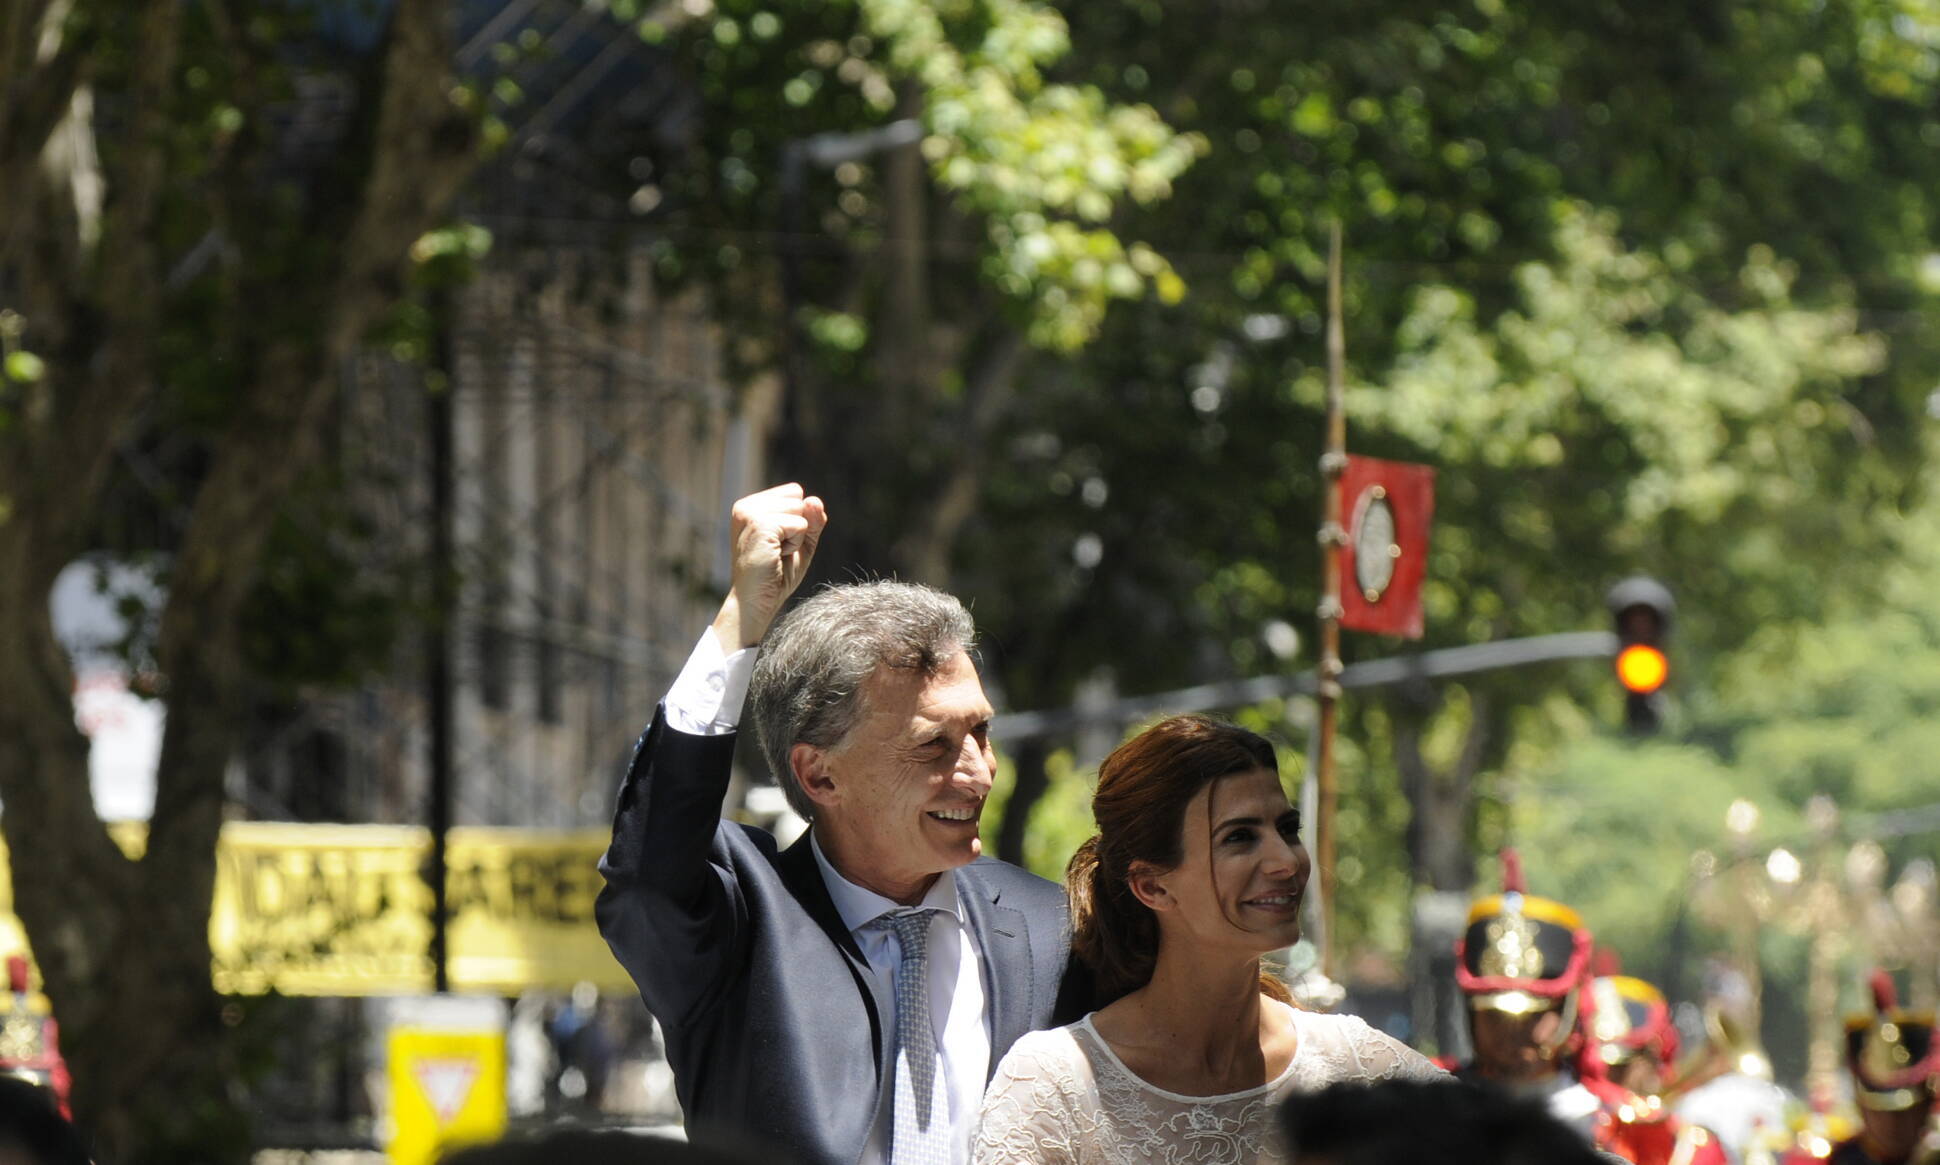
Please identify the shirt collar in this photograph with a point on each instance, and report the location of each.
(859, 907)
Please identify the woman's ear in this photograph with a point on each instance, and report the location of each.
(1148, 885)
(811, 771)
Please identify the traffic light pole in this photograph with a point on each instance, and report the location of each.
(1443, 663)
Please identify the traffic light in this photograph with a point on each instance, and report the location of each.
(1642, 608)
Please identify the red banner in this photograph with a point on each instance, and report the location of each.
(1386, 508)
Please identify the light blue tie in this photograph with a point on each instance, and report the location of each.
(921, 1132)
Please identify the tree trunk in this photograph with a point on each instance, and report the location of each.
(1032, 781)
(1439, 855)
(907, 352)
(123, 946)
(903, 467)
(156, 1071)
(168, 1027)
(73, 890)
(1440, 862)
(924, 544)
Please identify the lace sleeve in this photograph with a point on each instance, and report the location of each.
(1380, 1056)
(1028, 1112)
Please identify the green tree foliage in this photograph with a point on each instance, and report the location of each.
(1459, 146)
(1839, 707)
(1039, 167)
(1615, 419)
(1611, 419)
(210, 209)
(1610, 827)
(1643, 285)
(1042, 164)
(1642, 282)
(895, 286)
(1847, 708)
(196, 242)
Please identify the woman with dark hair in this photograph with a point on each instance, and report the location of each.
(1197, 870)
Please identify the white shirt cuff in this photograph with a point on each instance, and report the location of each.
(707, 696)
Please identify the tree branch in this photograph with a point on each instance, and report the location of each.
(907, 357)
(1475, 744)
(1416, 785)
(422, 150)
(1032, 783)
(1438, 800)
(20, 24)
(419, 151)
(69, 878)
(103, 387)
(129, 270)
(923, 550)
(36, 96)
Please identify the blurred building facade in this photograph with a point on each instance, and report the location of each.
(596, 449)
(596, 442)
(596, 446)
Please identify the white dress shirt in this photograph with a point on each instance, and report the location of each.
(708, 693)
(706, 700)
(956, 995)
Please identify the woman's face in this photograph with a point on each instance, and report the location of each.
(1240, 882)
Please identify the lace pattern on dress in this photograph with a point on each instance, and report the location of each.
(1063, 1098)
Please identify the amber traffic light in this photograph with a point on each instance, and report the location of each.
(1642, 608)
(1642, 669)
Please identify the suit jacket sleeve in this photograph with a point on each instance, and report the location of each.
(672, 907)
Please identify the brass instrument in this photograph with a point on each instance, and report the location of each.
(1730, 1046)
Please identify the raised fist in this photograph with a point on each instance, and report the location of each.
(773, 534)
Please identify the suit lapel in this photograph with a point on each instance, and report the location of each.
(804, 880)
(803, 877)
(1006, 948)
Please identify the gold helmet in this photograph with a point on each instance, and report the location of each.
(1521, 953)
(1892, 1053)
(1630, 1017)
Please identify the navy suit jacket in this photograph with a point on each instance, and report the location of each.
(775, 1027)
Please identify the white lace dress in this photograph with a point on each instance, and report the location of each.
(1062, 1098)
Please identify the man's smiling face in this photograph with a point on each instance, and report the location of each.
(898, 798)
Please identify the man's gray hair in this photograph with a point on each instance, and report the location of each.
(807, 685)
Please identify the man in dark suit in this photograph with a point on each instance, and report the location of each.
(845, 999)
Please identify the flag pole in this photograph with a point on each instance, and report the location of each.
(1333, 536)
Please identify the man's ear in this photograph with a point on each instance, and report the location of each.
(809, 764)
(1147, 882)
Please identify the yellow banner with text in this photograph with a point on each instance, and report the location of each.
(345, 909)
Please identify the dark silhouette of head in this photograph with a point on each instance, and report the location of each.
(1408, 1122)
(32, 1130)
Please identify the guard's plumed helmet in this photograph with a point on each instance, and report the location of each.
(1631, 1017)
(1521, 953)
(1891, 1052)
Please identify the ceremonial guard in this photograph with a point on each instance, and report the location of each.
(29, 1037)
(1522, 963)
(1895, 1065)
(1727, 1083)
(1629, 1061)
